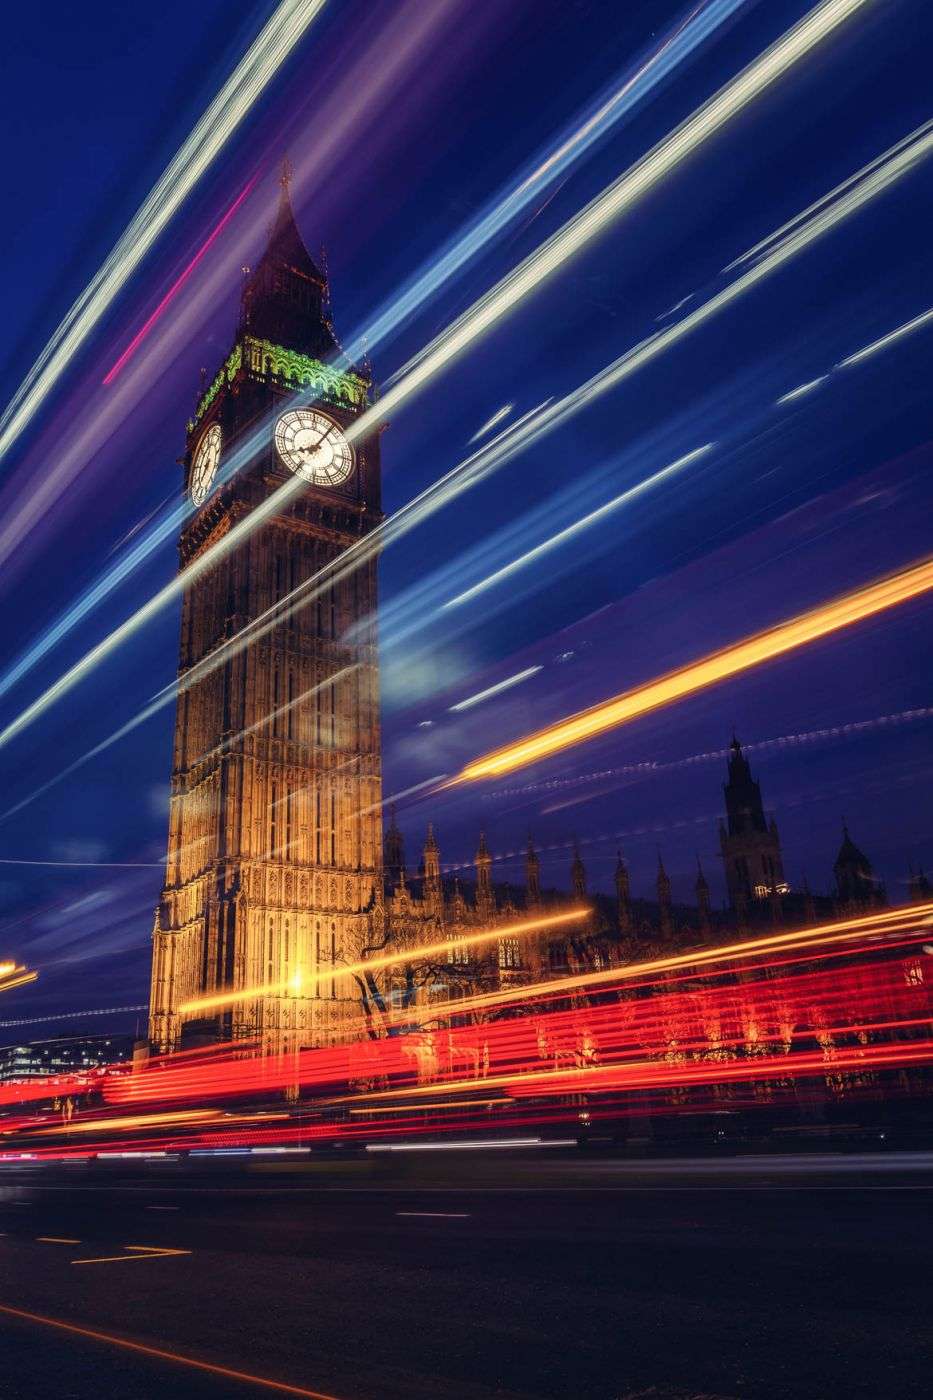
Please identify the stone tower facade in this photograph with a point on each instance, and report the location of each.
(275, 840)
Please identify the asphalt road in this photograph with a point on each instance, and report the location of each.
(472, 1276)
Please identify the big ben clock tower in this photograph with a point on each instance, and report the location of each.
(274, 848)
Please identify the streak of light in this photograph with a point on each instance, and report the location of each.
(710, 670)
(490, 423)
(441, 1103)
(13, 975)
(223, 115)
(150, 1120)
(272, 715)
(818, 205)
(802, 390)
(405, 792)
(134, 1252)
(807, 736)
(625, 191)
(157, 1120)
(70, 1015)
(683, 40)
(894, 920)
(491, 690)
(178, 1358)
(876, 346)
(177, 285)
(483, 1143)
(446, 947)
(679, 44)
(537, 423)
(86, 864)
(633, 493)
(477, 321)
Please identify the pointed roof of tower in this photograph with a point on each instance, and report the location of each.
(702, 883)
(664, 883)
(849, 853)
(286, 245)
(431, 841)
(482, 851)
(621, 867)
(285, 294)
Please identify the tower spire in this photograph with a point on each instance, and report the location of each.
(284, 295)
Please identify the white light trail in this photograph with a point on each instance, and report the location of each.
(223, 115)
(71, 1015)
(491, 690)
(584, 523)
(679, 44)
(623, 193)
(802, 390)
(490, 423)
(405, 792)
(877, 346)
(638, 83)
(847, 184)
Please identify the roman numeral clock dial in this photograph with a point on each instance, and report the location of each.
(206, 462)
(312, 446)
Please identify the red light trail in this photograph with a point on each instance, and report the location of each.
(770, 1020)
(176, 286)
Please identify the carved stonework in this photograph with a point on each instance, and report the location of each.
(289, 759)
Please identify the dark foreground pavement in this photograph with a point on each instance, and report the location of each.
(473, 1276)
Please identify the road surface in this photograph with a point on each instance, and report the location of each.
(470, 1276)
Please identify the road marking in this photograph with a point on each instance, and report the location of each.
(55, 1239)
(163, 1207)
(438, 1214)
(134, 1251)
(281, 1386)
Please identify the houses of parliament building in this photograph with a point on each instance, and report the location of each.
(279, 882)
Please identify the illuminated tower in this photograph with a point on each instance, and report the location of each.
(485, 899)
(275, 843)
(751, 847)
(433, 890)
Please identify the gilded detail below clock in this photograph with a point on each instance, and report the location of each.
(206, 461)
(312, 446)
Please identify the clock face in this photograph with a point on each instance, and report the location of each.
(313, 447)
(206, 461)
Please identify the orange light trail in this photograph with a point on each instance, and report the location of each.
(298, 984)
(161, 1354)
(710, 670)
(13, 975)
(153, 1120)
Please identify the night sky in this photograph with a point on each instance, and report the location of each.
(402, 122)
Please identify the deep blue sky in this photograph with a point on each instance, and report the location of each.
(797, 503)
